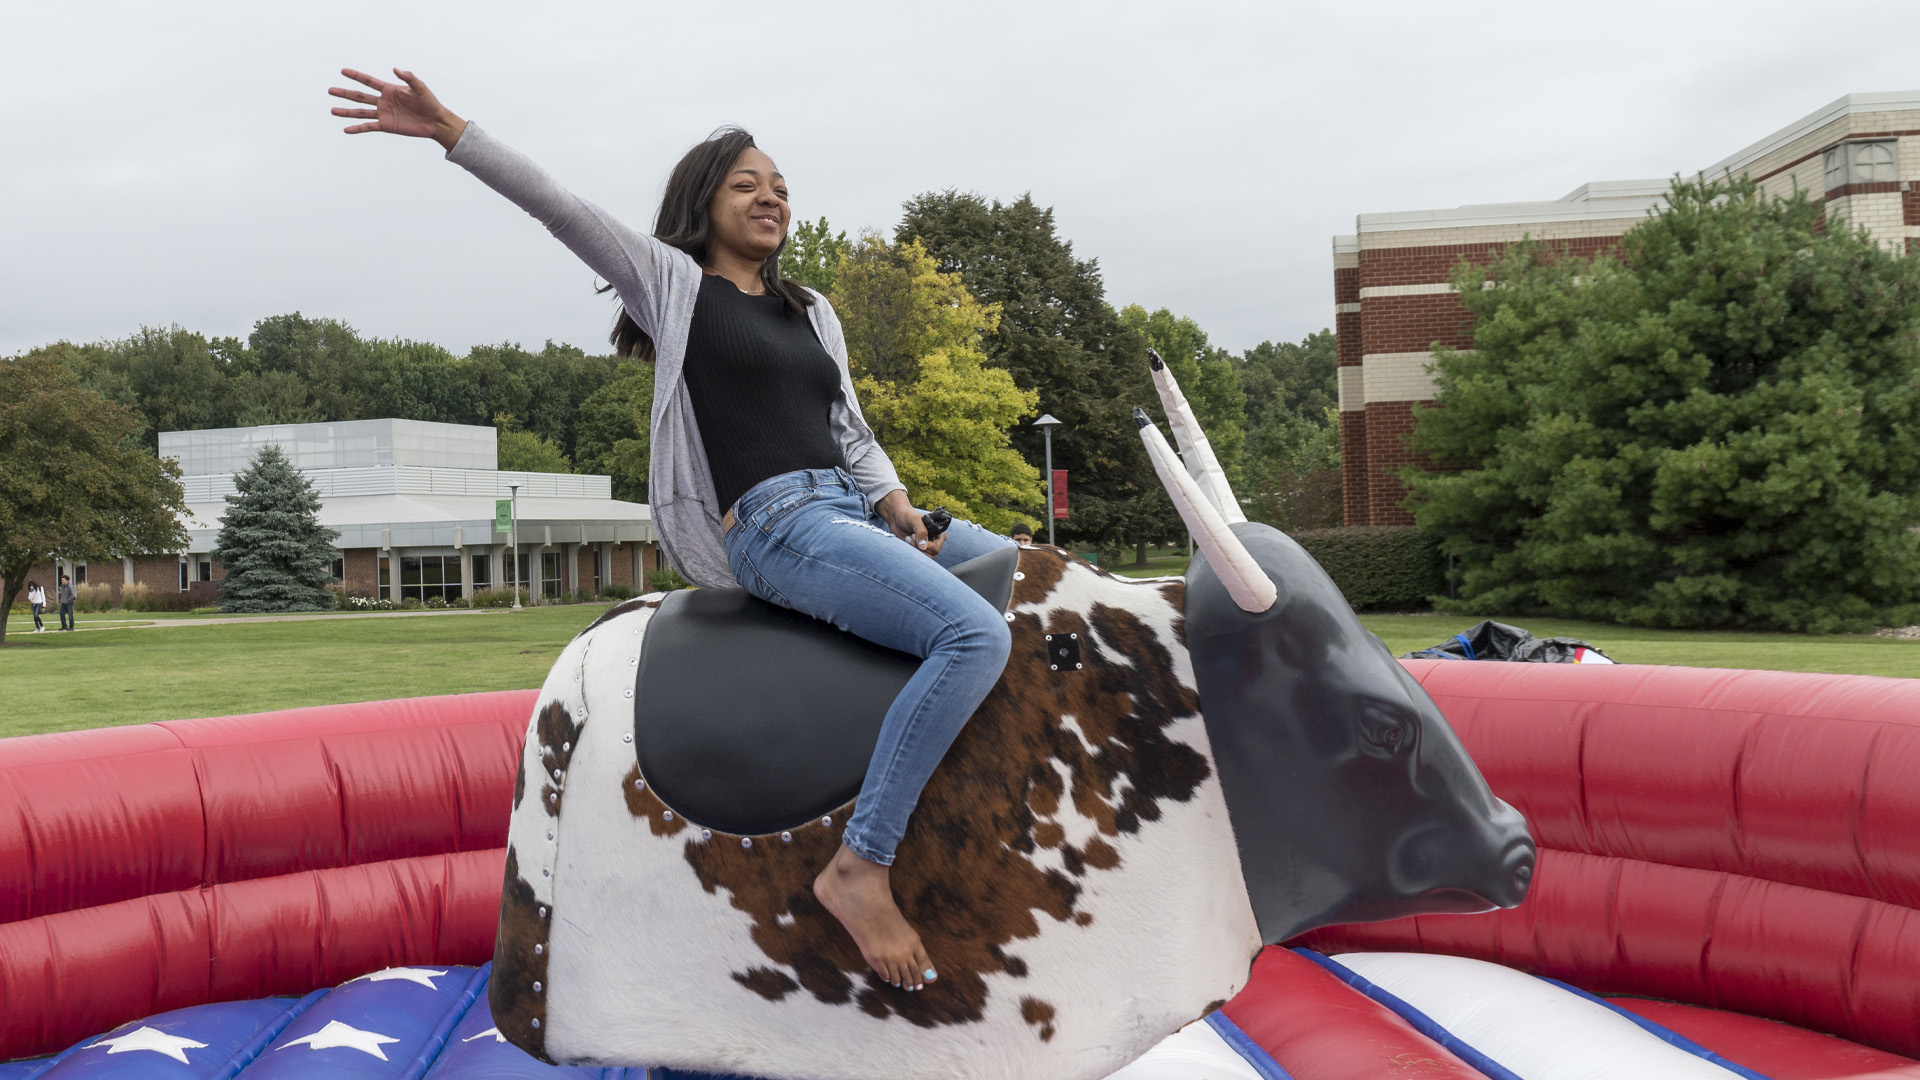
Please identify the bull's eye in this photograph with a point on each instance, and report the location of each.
(1384, 731)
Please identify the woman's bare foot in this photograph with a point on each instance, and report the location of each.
(860, 895)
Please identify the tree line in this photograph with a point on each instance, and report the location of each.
(963, 326)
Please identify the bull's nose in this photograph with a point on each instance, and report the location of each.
(1519, 863)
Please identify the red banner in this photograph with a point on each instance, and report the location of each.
(1059, 493)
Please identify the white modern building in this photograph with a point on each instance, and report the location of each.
(415, 504)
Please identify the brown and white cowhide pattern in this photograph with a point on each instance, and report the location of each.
(1070, 867)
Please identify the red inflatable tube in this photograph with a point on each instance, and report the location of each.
(1739, 839)
(1318, 1028)
(69, 975)
(1780, 1051)
(164, 865)
(95, 817)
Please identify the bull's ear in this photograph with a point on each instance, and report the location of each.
(1195, 450)
(1236, 567)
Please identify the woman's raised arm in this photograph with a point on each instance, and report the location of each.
(636, 265)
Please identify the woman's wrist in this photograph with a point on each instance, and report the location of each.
(447, 131)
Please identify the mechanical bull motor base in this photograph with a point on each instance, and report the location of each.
(1094, 865)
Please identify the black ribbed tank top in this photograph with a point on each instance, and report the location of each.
(762, 389)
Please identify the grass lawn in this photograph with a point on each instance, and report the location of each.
(105, 677)
(125, 672)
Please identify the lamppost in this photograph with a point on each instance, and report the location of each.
(1047, 423)
(513, 541)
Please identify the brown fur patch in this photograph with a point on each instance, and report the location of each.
(618, 610)
(642, 802)
(965, 876)
(768, 983)
(557, 733)
(524, 924)
(1039, 1014)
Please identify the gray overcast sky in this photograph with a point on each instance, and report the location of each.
(175, 163)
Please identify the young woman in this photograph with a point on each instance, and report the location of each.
(37, 597)
(763, 470)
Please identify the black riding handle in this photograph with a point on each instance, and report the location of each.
(936, 521)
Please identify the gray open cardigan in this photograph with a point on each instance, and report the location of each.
(658, 285)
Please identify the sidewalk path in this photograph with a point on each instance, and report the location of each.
(142, 624)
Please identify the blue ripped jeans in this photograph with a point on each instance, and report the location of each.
(807, 540)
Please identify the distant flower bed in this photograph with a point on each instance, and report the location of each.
(368, 603)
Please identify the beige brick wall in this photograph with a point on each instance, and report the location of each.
(1353, 388)
(1398, 377)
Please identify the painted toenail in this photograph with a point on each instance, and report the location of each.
(932, 975)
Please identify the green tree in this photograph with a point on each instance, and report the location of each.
(812, 255)
(942, 414)
(615, 429)
(300, 370)
(525, 451)
(277, 555)
(1720, 427)
(1058, 337)
(1290, 471)
(75, 475)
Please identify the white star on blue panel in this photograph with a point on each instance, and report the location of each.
(146, 1038)
(339, 1034)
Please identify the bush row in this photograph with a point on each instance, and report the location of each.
(1390, 567)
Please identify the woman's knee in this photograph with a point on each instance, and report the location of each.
(983, 632)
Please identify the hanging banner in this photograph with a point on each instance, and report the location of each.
(1059, 493)
(502, 515)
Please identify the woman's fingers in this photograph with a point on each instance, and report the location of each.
(357, 114)
(365, 79)
(359, 128)
(360, 96)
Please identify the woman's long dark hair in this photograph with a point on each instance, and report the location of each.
(684, 222)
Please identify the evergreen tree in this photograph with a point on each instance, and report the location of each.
(1720, 427)
(276, 554)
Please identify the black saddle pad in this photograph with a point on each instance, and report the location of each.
(751, 718)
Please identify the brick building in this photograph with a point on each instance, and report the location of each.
(414, 504)
(1393, 303)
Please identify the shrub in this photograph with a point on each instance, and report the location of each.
(368, 603)
(497, 598)
(436, 601)
(91, 597)
(665, 579)
(616, 592)
(142, 598)
(1379, 567)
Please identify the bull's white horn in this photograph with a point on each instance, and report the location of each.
(1249, 585)
(1195, 449)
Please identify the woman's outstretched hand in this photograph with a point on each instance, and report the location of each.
(403, 108)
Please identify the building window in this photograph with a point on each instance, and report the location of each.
(1863, 163)
(183, 575)
(79, 573)
(386, 578)
(423, 577)
(550, 574)
(517, 569)
(206, 569)
(340, 569)
(482, 572)
(598, 557)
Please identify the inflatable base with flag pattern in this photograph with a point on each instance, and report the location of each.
(1729, 884)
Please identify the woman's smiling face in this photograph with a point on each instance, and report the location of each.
(749, 212)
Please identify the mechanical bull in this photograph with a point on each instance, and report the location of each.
(1169, 775)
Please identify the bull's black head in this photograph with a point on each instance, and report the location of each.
(1351, 798)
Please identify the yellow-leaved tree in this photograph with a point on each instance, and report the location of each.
(941, 413)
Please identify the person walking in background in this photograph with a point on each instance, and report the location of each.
(1022, 534)
(37, 598)
(65, 596)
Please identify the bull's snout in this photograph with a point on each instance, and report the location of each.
(1516, 873)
